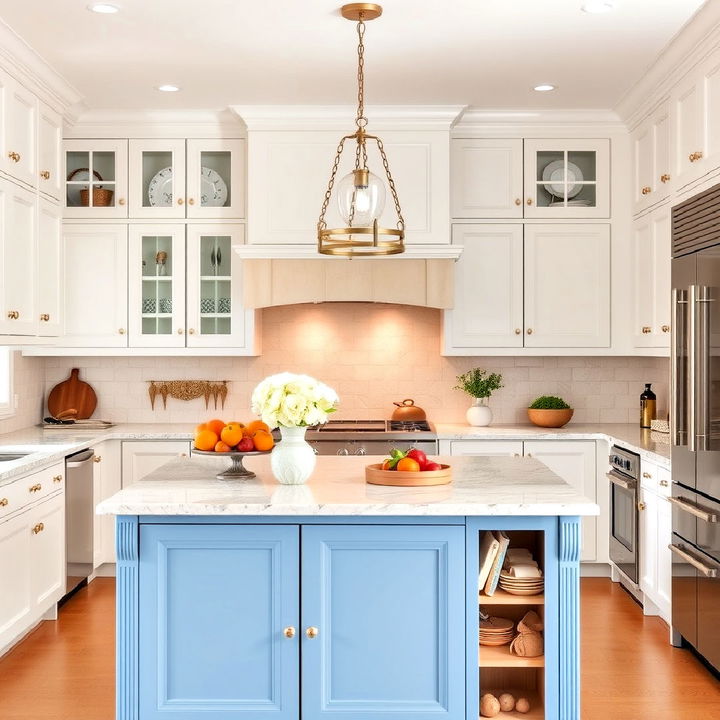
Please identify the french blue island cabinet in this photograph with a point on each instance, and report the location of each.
(334, 618)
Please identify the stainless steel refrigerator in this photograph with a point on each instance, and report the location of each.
(695, 424)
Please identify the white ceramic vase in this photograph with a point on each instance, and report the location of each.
(292, 460)
(479, 414)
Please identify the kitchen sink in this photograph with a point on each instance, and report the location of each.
(8, 457)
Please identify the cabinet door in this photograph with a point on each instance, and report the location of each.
(664, 559)
(575, 462)
(140, 458)
(216, 178)
(662, 252)
(156, 293)
(487, 447)
(108, 474)
(19, 209)
(688, 110)
(50, 273)
(96, 178)
(643, 142)
(16, 606)
(236, 584)
(711, 83)
(20, 121)
(662, 141)
(567, 178)
(567, 285)
(157, 178)
(49, 151)
(215, 316)
(388, 606)
(486, 178)
(648, 534)
(96, 304)
(488, 306)
(47, 552)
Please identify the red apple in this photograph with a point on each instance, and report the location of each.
(246, 445)
(432, 466)
(419, 456)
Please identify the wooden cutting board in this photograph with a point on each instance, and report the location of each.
(72, 393)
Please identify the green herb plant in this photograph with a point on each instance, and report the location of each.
(549, 402)
(478, 384)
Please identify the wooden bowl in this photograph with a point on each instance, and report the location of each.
(550, 418)
(375, 475)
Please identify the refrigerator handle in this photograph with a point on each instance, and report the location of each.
(691, 386)
(701, 311)
(678, 365)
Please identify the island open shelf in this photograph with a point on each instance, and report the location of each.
(500, 597)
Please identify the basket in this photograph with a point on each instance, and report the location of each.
(100, 196)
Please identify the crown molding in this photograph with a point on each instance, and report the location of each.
(498, 121)
(156, 124)
(341, 118)
(29, 68)
(699, 37)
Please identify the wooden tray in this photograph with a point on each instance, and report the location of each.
(374, 475)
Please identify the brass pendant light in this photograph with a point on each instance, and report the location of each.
(361, 194)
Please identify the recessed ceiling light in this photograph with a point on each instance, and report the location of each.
(104, 8)
(544, 87)
(596, 7)
(168, 88)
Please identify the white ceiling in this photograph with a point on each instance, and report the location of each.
(486, 53)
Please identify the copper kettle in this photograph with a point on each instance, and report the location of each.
(408, 411)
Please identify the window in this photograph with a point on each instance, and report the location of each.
(6, 385)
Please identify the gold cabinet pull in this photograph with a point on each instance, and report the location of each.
(180, 331)
(664, 178)
(97, 458)
(289, 632)
(529, 331)
(529, 201)
(647, 475)
(121, 201)
(641, 506)
(518, 331)
(191, 331)
(646, 330)
(38, 528)
(121, 331)
(3, 502)
(45, 174)
(191, 201)
(180, 201)
(35, 488)
(15, 157)
(518, 201)
(663, 483)
(13, 315)
(694, 157)
(57, 478)
(45, 317)
(312, 632)
(646, 190)
(665, 328)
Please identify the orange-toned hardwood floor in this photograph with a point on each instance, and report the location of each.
(65, 670)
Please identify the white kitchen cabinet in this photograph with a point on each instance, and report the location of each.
(652, 159)
(567, 178)
(16, 607)
(488, 305)
(575, 462)
(664, 561)
(96, 280)
(486, 178)
(47, 551)
(18, 157)
(482, 447)
(216, 178)
(50, 270)
(651, 267)
(157, 178)
(141, 457)
(107, 474)
(96, 179)
(49, 142)
(18, 225)
(156, 292)
(648, 534)
(567, 285)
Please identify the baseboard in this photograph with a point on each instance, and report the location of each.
(588, 569)
(104, 570)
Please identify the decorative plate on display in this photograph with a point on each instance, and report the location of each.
(213, 190)
(554, 175)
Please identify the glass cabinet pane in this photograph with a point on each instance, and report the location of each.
(157, 279)
(566, 179)
(215, 178)
(157, 178)
(90, 178)
(215, 284)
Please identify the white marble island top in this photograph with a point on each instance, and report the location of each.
(480, 486)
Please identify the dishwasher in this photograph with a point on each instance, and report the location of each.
(80, 504)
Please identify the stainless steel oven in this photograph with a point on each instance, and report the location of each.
(624, 535)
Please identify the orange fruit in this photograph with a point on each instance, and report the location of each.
(216, 426)
(231, 433)
(386, 465)
(200, 428)
(220, 446)
(206, 440)
(257, 425)
(408, 465)
(263, 440)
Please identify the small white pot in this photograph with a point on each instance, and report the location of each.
(292, 460)
(479, 414)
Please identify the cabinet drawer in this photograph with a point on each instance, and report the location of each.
(487, 447)
(664, 484)
(649, 476)
(30, 489)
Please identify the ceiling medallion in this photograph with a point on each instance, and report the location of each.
(361, 194)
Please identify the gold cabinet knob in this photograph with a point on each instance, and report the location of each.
(312, 632)
(57, 479)
(641, 506)
(180, 331)
(3, 502)
(646, 190)
(518, 201)
(529, 331)
(15, 157)
(693, 157)
(529, 201)
(38, 528)
(191, 331)
(664, 178)
(97, 458)
(121, 201)
(665, 328)
(647, 475)
(191, 201)
(45, 174)
(663, 483)
(45, 317)
(646, 330)
(180, 201)
(518, 331)
(289, 632)
(121, 331)
(35, 488)
(13, 315)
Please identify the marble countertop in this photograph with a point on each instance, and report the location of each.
(45, 447)
(481, 486)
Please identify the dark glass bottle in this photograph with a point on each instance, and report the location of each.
(648, 404)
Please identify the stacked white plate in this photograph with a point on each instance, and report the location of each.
(521, 585)
(496, 631)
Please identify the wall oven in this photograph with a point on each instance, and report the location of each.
(624, 532)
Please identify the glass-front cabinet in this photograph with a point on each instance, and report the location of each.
(567, 178)
(215, 172)
(96, 179)
(157, 285)
(157, 172)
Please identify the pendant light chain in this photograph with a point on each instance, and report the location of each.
(328, 193)
(361, 121)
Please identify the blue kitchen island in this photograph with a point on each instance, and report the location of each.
(338, 599)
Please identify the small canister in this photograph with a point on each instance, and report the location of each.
(648, 406)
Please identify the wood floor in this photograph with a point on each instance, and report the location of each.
(65, 670)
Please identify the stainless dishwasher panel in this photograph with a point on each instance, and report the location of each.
(79, 517)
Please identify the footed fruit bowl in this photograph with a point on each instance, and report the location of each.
(236, 471)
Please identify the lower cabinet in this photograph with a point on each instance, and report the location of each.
(318, 621)
(141, 457)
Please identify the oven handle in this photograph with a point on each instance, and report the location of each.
(693, 509)
(617, 479)
(704, 569)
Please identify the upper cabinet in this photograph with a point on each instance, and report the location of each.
(652, 159)
(96, 179)
(49, 138)
(157, 172)
(493, 178)
(18, 156)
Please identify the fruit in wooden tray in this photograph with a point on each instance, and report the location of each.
(407, 464)
(219, 436)
(413, 460)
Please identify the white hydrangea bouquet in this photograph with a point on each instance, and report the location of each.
(292, 403)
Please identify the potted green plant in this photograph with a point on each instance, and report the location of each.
(480, 386)
(549, 411)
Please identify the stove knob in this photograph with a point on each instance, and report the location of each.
(342, 451)
(360, 451)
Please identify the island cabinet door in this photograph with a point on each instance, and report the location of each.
(383, 629)
(217, 604)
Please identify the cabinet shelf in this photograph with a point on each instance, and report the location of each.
(216, 277)
(501, 657)
(159, 278)
(505, 598)
(537, 707)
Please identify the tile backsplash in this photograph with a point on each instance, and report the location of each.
(372, 355)
(29, 387)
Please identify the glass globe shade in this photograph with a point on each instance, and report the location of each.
(361, 198)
